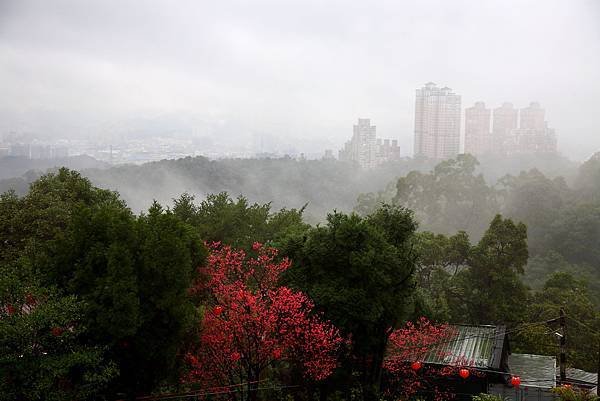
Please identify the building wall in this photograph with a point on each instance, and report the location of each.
(532, 117)
(437, 122)
(505, 120)
(522, 393)
(365, 149)
(478, 139)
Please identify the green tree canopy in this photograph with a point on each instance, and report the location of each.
(563, 290)
(131, 274)
(360, 273)
(237, 222)
(491, 285)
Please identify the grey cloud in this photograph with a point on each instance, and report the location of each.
(306, 69)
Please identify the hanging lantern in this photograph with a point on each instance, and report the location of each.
(29, 299)
(56, 331)
(464, 373)
(515, 381)
(10, 310)
(218, 310)
(416, 365)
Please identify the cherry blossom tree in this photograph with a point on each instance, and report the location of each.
(252, 323)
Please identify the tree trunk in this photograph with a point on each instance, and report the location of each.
(252, 386)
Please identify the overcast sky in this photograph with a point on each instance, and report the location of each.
(305, 69)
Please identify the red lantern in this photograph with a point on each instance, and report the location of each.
(515, 381)
(464, 373)
(218, 310)
(10, 310)
(235, 356)
(56, 331)
(29, 299)
(416, 365)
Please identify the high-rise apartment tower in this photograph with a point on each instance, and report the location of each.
(478, 140)
(505, 120)
(437, 122)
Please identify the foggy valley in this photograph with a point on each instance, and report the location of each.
(299, 200)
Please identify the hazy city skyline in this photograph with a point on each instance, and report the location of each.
(293, 72)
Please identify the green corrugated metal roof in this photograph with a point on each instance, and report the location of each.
(581, 376)
(472, 346)
(534, 370)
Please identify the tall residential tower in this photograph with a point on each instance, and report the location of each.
(478, 140)
(505, 121)
(366, 149)
(437, 122)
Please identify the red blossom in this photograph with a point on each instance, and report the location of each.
(276, 353)
(264, 321)
(415, 342)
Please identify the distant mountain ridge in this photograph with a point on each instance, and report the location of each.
(16, 166)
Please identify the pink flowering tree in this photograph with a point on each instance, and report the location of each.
(253, 323)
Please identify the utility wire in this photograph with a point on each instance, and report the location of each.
(583, 325)
(496, 336)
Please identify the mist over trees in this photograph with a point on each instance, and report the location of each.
(107, 302)
(563, 227)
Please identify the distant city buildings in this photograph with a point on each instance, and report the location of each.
(530, 136)
(34, 151)
(505, 121)
(478, 139)
(437, 122)
(533, 134)
(437, 127)
(366, 149)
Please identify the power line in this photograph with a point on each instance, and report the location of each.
(583, 325)
(496, 336)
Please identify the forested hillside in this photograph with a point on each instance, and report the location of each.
(563, 221)
(324, 185)
(97, 301)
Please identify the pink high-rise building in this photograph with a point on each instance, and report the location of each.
(533, 134)
(533, 117)
(505, 120)
(478, 140)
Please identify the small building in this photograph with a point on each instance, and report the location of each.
(483, 350)
(538, 378)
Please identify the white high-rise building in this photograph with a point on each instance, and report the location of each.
(365, 149)
(437, 122)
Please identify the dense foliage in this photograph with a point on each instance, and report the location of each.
(97, 302)
(563, 222)
(359, 271)
(125, 278)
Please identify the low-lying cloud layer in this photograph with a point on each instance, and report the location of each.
(304, 70)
